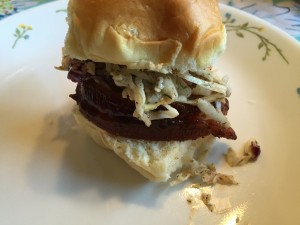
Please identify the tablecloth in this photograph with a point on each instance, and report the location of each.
(284, 14)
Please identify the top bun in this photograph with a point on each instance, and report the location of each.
(164, 35)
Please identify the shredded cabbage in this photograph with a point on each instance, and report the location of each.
(211, 112)
(209, 85)
(149, 90)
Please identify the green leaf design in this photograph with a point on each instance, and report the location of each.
(26, 37)
(18, 32)
(21, 33)
(245, 25)
(242, 29)
(61, 10)
(298, 91)
(228, 16)
(239, 34)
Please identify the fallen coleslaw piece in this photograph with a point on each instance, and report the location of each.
(207, 173)
(249, 153)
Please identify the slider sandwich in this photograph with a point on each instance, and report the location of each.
(146, 88)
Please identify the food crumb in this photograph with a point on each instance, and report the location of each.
(207, 173)
(206, 198)
(198, 197)
(251, 101)
(249, 153)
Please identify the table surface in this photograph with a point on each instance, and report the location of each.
(284, 14)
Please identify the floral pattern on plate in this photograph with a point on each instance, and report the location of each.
(21, 32)
(282, 13)
(264, 42)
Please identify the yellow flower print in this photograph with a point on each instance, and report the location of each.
(22, 26)
(20, 33)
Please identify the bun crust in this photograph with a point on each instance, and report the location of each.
(155, 160)
(165, 35)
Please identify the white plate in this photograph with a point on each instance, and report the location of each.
(52, 173)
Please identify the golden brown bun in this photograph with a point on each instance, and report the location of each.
(155, 160)
(145, 34)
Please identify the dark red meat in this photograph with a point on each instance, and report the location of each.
(100, 101)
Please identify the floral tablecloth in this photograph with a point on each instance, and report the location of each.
(282, 13)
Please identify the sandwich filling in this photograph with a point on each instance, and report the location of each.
(149, 105)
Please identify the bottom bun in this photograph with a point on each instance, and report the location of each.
(155, 160)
